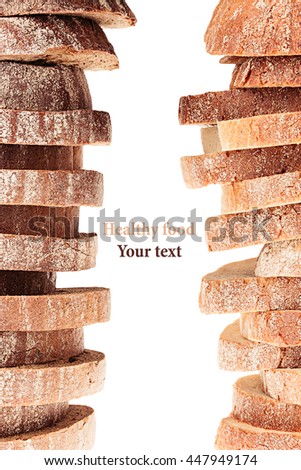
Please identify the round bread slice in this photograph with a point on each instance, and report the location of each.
(212, 107)
(109, 13)
(75, 432)
(57, 39)
(62, 309)
(268, 130)
(60, 188)
(38, 253)
(279, 328)
(39, 157)
(252, 406)
(258, 29)
(261, 72)
(235, 435)
(38, 347)
(280, 259)
(262, 192)
(54, 382)
(234, 288)
(240, 165)
(67, 128)
(60, 222)
(236, 353)
(256, 227)
(23, 419)
(52, 87)
(283, 385)
(15, 283)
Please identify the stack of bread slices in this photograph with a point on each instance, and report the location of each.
(46, 118)
(251, 136)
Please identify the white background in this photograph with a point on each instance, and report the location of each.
(164, 394)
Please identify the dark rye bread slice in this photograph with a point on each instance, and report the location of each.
(252, 406)
(280, 259)
(15, 283)
(20, 348)
(213, 107)
(60, 188)
(54, 382)
(21, 419)
(39, 157)
(44, 253)
(67, 128)
(254, 227)
(62, 309)
(283, 385)
(262, 192)
(280, 328)
(261, 72)
(235, 435)
(236, 353)
(60, 222)
(109, 13)
(239, 165)
(76, 431)
(57, 39)
(52, 87)
(234, 288)
(258, 29)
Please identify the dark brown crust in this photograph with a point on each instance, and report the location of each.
(24, 419)
(39, 157)
(213, 107)
(75, 432)
(271, 28)
(52, 87)
(24, 348)
(15, 283)
(261, 72)
(61, 222)
(240, 165)
(57, 39)
(68, 128)
(109, 13)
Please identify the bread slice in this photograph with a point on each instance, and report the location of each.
(52, 87)
(283, 385)
(109, 13)
(23, 419)
(261, 72)
(280, 259)
(258, 29)
(51, 188)
(65, 128)
(252, 406)
(57, 39)
(57, 381)
(38, 347)
(38, 253)
(59, 222)
(15, 283)
(235, 435)
(240, 165)
(63, 309)
(39, 157)
(75, 432)
(210, 108)
(255, 227)
(236, 353)
(260, 131)
(234, 288)
(262, 192)
(278, 327)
